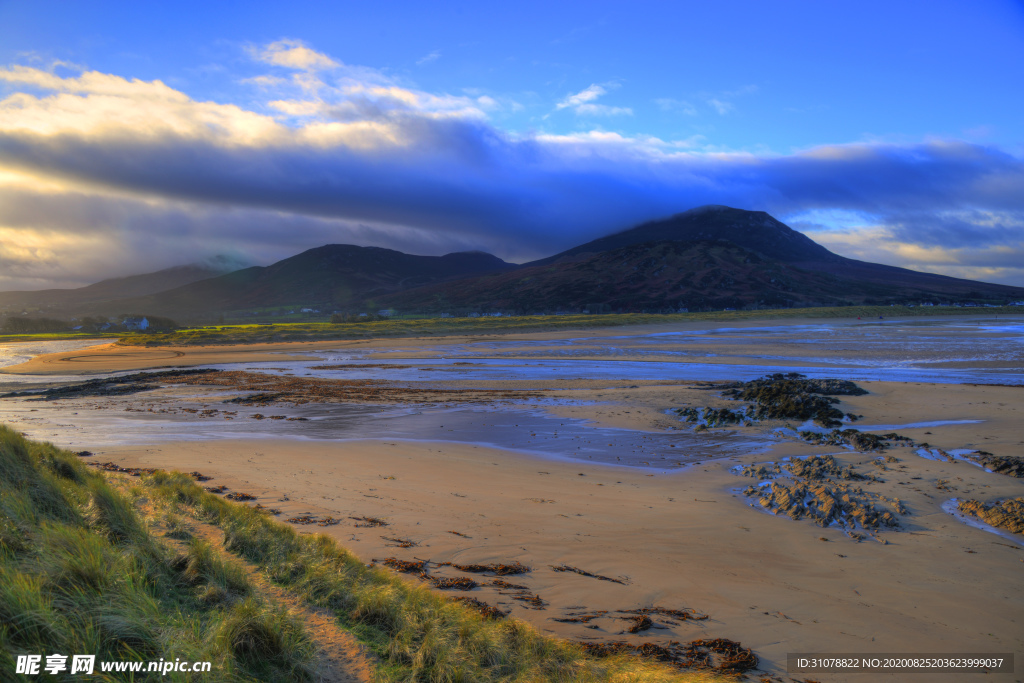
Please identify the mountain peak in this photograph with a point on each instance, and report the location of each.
(753, 230)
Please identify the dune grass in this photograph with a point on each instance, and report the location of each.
(424, 327)
(81, 572)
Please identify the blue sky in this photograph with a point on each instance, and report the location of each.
(135, 136)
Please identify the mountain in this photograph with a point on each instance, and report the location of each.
(661, 275)
(121, 287)
(332, 276)
(754, 230)
(706, 258)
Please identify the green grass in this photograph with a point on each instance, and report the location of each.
(54, 336)
(82, 573)
(423, 327)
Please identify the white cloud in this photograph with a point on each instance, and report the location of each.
(433, 56)
(674, 105)
(602, 110)
(588, 94)
(583, 103)
(293, 54)
(721, 106)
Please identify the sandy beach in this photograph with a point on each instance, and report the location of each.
(677, 537)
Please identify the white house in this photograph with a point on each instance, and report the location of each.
(135, 324)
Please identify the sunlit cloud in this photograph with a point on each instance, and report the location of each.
(294, 54)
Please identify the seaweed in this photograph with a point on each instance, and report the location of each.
(110, 386)
(680, 614)
(577, 570)
(310, 519)
(641, 622)
(459, 583)
(582, 618)
(400, 542)
(369, 521)
(496, 569)
(482, 607)
(240, 496)
(406, 566)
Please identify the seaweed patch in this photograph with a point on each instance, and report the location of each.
(780, 397)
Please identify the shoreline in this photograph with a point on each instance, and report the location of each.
(113, 357)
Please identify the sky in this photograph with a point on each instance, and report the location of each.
(140, 136)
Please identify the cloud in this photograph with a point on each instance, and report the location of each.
(101, 174)
(433, 56)
(588, 94)
(583, 103)
(294, 54)
(721, 106)
(674, 105)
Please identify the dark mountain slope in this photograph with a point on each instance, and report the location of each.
(652, 276)
(118, 288)
(754, 230)
(335, 275)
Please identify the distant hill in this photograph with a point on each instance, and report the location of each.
(706, 258)
(119, 288)
(335, 276)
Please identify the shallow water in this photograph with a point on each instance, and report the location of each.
(898, 352)
(524, 428)
(13, 353)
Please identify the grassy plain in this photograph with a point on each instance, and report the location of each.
(285, 332)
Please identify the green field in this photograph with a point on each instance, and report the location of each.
(425, 327)
(54, 336)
